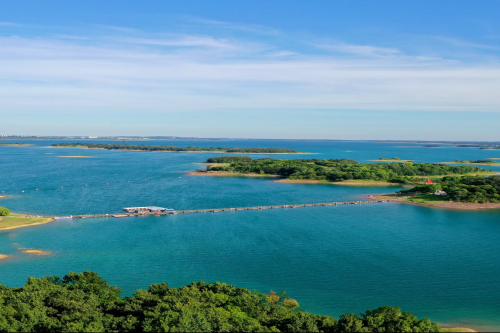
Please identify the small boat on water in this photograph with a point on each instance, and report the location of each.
(148, 209)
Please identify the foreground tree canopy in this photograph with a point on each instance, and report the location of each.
(84, 302)
(343, 169)
(116, 146)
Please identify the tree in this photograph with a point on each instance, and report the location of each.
(4, 211)
(85, 302)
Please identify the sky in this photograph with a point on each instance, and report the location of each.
(351, 69)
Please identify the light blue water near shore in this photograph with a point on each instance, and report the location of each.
(440, 264)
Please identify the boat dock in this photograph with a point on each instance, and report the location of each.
(216, 210)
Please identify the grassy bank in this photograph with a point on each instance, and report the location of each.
(428, 199)
(14, 221)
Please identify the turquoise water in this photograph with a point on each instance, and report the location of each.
(436, 263)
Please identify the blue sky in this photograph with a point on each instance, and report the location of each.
(253, 69)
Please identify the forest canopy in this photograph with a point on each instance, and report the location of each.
(116, 146)
(84, 302)
(229, 159)
(344, 169)
(464, 189)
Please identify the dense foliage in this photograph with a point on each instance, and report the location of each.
(465, 189)
(4, 211)
(86, 303)
(229, 159)
(390, 159)
(13, 143)
(344, 169)
(116, 146)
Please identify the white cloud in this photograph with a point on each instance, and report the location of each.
(252, 28)
(364, 50)
(198, 73)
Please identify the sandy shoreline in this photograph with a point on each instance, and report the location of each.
(447, 205)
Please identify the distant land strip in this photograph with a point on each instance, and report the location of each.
(190, 149)
(14, 144)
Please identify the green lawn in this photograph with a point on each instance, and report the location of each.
(20, 220)
(428, 199)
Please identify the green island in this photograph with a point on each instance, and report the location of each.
(392, 159)
(190, 149)
(432, 146)
(483, 146)
(14, 144)
(341, 171)
(470, 189)
(10, 220)
(84, 302)
(477, 162)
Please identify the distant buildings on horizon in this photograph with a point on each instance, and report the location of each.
(64, 137)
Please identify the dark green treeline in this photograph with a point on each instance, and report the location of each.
(86, 303)
(116, 146)
(341, 169)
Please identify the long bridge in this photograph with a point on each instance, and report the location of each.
(216, 210)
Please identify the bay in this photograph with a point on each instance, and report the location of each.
(435, 263)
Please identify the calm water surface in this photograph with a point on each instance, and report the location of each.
(440, 264)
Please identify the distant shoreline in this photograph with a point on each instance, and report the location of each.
(186, 151)
(486, 164)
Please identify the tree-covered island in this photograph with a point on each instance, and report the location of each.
(14, 144)
(481, 146)
(471, 189)
(337, 170)
(477, 162)
(190, 149)
(392, 159)
(84, 302)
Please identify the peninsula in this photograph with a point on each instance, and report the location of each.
(15, 221)
(334, 171)
(190, 149)
(467, 192)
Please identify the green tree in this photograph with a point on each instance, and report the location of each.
(84, 302)
(4, 211)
